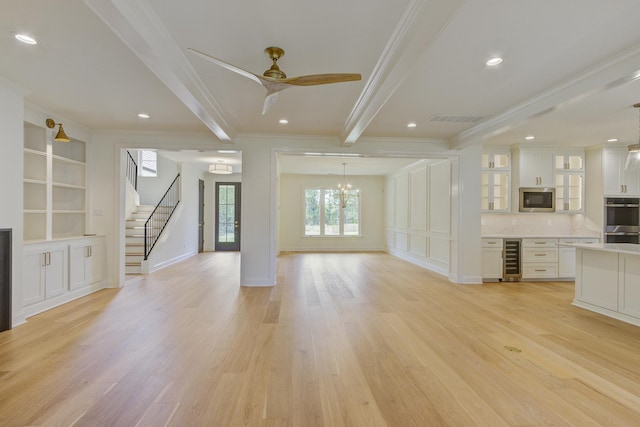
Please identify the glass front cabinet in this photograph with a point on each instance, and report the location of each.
(569, 181)
(496, 180)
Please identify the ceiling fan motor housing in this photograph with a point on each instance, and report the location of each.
(274, 53)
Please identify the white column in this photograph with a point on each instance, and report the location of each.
(258, 217)
(466, 254)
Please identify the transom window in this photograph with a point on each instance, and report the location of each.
(325, 216)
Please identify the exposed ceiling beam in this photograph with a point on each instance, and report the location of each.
(621, 69)
(418, 27)
(136, 23)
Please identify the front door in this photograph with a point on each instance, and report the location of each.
(228, 216)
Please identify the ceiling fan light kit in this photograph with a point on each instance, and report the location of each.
(275, 80)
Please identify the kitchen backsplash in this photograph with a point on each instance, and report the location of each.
(538, 224)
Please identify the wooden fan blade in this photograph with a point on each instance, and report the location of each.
(256, 78)
(320, 79)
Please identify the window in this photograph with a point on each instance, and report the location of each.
(147, 163)
(324, 216)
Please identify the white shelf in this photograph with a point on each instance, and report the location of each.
(67, 160)
(54, 186)
(63, 185)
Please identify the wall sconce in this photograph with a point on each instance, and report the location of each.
(60, 136)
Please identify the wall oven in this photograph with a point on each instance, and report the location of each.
(622, 220)
(537, 199)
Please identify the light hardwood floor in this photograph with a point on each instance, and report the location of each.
(342, 340)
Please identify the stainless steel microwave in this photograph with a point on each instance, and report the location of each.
(537, 199)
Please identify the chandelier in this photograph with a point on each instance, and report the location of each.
(344, 188)
(633, 155)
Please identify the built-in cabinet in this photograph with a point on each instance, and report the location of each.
(54, 186)
(44, 272)
(535, 167)
(532, 167)
(569, 181)
(86, 259)
(496, 180)
(539, 258)
(492, 259)
(618, 180)
(543, 258)
(58, 271)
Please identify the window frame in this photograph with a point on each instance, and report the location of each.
(322, 217)
(150, 171)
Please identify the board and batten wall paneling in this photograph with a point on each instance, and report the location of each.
(418, 199)
(422, 209)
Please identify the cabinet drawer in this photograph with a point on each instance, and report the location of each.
(541, 270)
(539, 255)
(492, 243)
(539, 243)
(579, 240)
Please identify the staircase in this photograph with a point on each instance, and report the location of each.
(134, 239)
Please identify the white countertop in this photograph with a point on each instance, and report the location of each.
(539, 236)
(621, 248)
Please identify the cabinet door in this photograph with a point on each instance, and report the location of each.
(33, 277)
(95, 265)
(55, 283)
(569, 191)
(492, 263)
(617, 179)
(77, 265)
(629, 297)
(566, 262)
(536, 168)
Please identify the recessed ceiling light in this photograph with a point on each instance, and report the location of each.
(227, 151)
(612, 140)
(530, 137)
(411, 125)
(144, 115)
(283, 121)
(25, 39)
(492, 62)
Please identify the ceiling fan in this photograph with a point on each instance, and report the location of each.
(275, 80)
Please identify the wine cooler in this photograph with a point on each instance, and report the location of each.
(512, 271)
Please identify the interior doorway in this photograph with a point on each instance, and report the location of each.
(227, 216)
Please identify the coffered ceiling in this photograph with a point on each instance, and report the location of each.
(569, 74)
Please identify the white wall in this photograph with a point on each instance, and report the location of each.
(179, 239)
(291, 209)
(418, 214)
(11, 190)
(152, 188)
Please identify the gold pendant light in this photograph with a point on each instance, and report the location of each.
(60, 136)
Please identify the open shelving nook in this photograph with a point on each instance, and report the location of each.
(54, 186)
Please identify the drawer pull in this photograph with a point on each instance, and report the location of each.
(540, 270)
(540, 255)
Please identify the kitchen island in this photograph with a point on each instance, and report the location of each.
(608, 279)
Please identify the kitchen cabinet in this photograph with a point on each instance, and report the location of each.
(569, 181)
(492, 259)
(86, 262)
(535, 167)
(495, 181)
(567, 257)
(44, 273)
(629, 287)
(539, 258)
(617, 179)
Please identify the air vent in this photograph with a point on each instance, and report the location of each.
(453, 118)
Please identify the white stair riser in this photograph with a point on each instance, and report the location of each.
(133, 258)
(129, 269)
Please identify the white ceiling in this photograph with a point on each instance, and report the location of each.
(569, 74)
